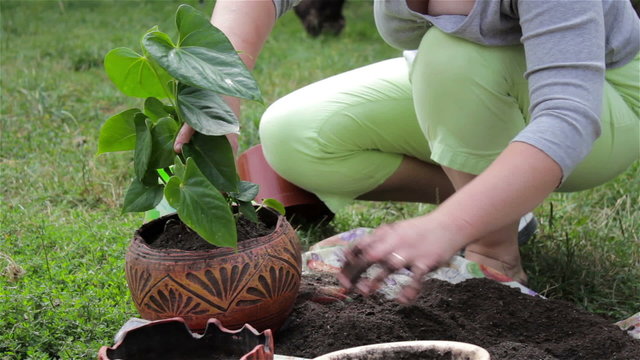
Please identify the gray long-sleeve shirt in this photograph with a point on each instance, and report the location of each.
(568, 46)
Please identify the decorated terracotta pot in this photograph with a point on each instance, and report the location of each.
(256, 284)
(171, 339)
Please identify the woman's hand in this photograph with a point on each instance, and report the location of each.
(183, 137)
(420, 244)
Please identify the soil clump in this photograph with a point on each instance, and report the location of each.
(509, 324)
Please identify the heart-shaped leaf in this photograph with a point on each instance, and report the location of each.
(194, 29)
(247, 191)
(154, 109)
(203, 58)
(118, 133)
(134, 74)
(141, 197)
(247, 209)
(274, 204)
(178, 167)
(205, 111)
(214, 158)
(143, 145)
(162, 136)
(201, 207)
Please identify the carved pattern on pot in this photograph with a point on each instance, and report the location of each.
(139, 281)
(280, 282)
(224, 286)
(171, 303)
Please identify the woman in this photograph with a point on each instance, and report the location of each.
(505, 102)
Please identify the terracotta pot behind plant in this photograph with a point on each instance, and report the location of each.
(409, 350)
(255, 284)
(302, 206)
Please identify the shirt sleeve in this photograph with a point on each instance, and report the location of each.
(282, 6)
(564, 44)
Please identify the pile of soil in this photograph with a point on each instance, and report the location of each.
(509, 324)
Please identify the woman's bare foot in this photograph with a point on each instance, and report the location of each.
(511, 267)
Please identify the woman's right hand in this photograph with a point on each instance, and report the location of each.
(186, 132)
(183, 137)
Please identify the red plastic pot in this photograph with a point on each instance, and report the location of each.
(299, 203)
(172, 339)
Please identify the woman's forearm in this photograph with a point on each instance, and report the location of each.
(247, 24)
(515, 183)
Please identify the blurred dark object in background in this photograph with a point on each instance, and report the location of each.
(321, 15)
(636, 5)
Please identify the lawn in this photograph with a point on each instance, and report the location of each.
(62, 235)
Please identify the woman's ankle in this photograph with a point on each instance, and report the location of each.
(508, 264)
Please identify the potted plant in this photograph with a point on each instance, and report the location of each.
(252, 281)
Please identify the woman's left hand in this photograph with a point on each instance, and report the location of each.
(420, 244)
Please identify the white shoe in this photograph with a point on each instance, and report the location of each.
(527, 228)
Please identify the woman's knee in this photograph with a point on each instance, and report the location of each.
(281, 133)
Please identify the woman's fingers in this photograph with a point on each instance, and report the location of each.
(388, 266)
(394, 247)
(354, 265)
(410, 291)
(376, 248)
(361, 256)
(183, 137)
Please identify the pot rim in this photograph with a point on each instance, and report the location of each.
(440, 345)
(267, 348)
(281, 227)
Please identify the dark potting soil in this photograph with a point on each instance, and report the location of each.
(177, 235)
(509, 324)
(400, 355)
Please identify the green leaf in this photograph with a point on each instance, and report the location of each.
(141, 197)
(248, 191)
(172, 191)
(150, 178)
(134, 74)
(143, 145)
(118, 133)
(178, 167)
(205, 111)
(154, 109)
(201, 207)
(162, 136)
(203, 58)
(247, 209)
(215, 159)
(171, 110)
(274, 204)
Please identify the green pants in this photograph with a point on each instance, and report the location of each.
(459, 106)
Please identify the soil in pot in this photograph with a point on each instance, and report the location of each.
(177, 235)
(509, 324)
(427, 354)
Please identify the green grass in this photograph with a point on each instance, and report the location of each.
(60, 220)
